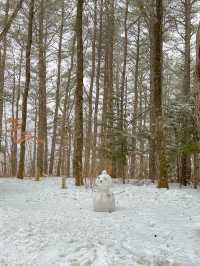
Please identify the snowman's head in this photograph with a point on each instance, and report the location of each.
(103, 181)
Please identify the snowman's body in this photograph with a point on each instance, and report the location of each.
(104, 200)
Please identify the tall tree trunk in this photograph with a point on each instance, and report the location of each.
(51, 164)
(146, 106)
(42, 97)
(15, 148)
(107, 114)
(122, 162)
(78, 132)
(141, 141)
(26, 90)
(5, 154)
(135, 105)
(45, 163)
(89, 125)
(96, 107)
(157, 96)
(2, 70)
(197, 106)
(64, 115)
(33, 173)
(185, 158)
(197, 81)
(152, 144)
(68, 168)
(13, 129)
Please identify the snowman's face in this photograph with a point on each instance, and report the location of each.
(103, 181)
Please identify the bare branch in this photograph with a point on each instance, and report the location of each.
(11, 19)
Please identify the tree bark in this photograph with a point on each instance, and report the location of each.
(15, 148)
(2, 70)
(185, 158)
(152, 144)
(197, 81)
(96, 107)
(135, 105)
(13, 127)
(157, 94)
(51, 164)
(64, 115)
(123, 147)
(89, 124)
(26, 90)
(107, 114)
(196, 170)
(78, 132)
(42, 95)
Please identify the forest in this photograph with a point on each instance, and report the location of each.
(99, 132)
(99, 85)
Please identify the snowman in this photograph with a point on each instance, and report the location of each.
(104, 200)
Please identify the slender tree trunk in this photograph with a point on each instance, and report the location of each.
(15, 149)
(2, 70)
(196, 170)
(135, 106)
(64, 115)
(51, 164)
(185, 158)
(13, 129)
(178, 168)
(26, 91)
(141, 141)
(89, 125)
(107, 114)
(152, 144)
(143, 144)
(197, 107)
(122, 162)
(197, 81)
(42, 96)
(96, 108)
(33, 173)
(157, 96)
(5, 166)
(45, 163)
(78, 132)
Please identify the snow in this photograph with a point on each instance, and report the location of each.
(40, 224)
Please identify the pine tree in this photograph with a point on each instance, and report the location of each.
(26, 90)
(78, 131)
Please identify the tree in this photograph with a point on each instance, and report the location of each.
(135, 103)
(89, 124)
(2, 69)
(107, 112)
(96, 105)
(185, 159)
(53, 144)
(78, 130)
(10, 20)
(157, 61)
(42, 131)
(138, 118)
(122, 161)
(26, 90)
(65, 118)
(197, 106)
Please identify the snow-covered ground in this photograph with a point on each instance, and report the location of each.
(40, 224)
